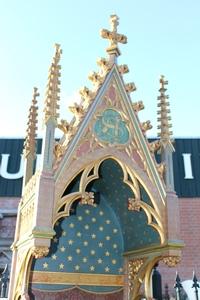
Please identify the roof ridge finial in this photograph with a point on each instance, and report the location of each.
(114, 37)
(53, 90)
(164, 112)
(29, 143)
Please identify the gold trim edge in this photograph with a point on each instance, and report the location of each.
(76, 278)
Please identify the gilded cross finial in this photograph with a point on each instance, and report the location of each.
(53, 90)
(164, 112)
(29, 143)
(114, 22)
(114, 37)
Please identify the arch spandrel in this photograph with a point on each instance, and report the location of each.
(146, 195)
(95, 158)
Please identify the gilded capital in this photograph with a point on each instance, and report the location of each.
(39, 251)
(171, 261)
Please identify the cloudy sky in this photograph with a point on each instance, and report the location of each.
(163, 38)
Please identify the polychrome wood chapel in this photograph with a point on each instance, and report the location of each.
(101, 211)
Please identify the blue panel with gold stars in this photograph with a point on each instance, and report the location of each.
(88, 242)
(135, 229)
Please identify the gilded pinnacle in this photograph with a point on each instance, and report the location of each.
(164, 111)
(114, 38)
(53, 90)
(29, 143)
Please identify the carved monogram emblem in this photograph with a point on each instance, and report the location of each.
(110, 128)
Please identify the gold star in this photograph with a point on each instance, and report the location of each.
(80, 218)
(79, 234)
(115, 230)
(45, 265)
(70, 242)
(62, 249)
(84, 259)
(71, 225)
(78, 251)
(55, 240)
(100, 245)
(85, 243)
(107, 269)
(114, 246)
(54, 257)
(64, 233)
(101, 228)
(92, 252)
(77, 267)
(107, 221)
(87, 211)
(87, 226)
(69, 258)
(107, 237)
(93, 220)
(100, 261)
(120, 270)
(114, 261)
(61, 266)
(91, 268)
(101, 213)
(107, 253)
(93, 236)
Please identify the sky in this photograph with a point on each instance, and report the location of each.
(163, 38)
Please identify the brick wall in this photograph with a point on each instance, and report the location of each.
(8, 208)
(190, 234)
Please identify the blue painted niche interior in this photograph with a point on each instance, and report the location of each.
(94, 238)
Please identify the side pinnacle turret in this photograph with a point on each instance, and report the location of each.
(53, 90)
(165, 134)
(164, 118)
(29, 143)
(30, 140)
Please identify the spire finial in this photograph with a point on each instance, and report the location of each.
(53, 90)
(29, 143)
(114, 37)
(164, 112)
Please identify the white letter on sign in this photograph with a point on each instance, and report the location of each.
(4, 166)
(187, 166)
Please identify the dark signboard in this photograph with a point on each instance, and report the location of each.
(186, 162)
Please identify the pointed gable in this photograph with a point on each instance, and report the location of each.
(111, 123)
